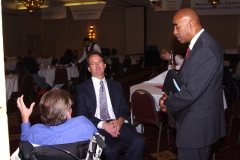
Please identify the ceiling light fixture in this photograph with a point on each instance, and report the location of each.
(213, 2)
(32, 5)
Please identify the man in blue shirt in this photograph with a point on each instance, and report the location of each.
(58, 127)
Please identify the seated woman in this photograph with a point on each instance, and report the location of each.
(31, 65)
(74, 56)
(66, 58)
(175, 60)
(58, 127)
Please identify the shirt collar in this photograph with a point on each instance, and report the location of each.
(96, 81)
(193, 41)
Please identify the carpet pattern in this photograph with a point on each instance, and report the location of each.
(224, 149)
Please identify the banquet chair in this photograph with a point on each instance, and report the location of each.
(144, 112)
(234, 113)
(61, 77)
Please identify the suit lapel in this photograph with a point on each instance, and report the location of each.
(91, 93)
(111, 91)
(192, 51)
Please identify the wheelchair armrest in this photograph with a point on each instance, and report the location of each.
(25, 149)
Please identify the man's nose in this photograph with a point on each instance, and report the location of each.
(174, 31)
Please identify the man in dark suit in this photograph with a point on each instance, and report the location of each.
(89, 102)
(202, 75)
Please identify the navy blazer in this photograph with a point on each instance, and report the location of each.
(86, 100)
(202, 75)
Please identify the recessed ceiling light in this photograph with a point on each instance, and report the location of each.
(15, 1)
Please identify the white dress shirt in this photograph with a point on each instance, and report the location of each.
(193, 41)
(95, 48)
(96, 85)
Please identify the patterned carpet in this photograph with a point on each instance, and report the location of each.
(225, 149)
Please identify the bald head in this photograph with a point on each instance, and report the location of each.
(186, 25)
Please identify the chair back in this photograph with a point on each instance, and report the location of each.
(143, 107)
(61, 76)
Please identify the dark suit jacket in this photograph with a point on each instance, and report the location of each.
(86, 100)
(202, 75)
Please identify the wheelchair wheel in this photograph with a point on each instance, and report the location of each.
(232, 92)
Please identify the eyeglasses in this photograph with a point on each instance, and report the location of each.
(95, 63)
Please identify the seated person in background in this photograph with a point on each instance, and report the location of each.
(66, 58)
(101, 100)
(175, 60)
(58, 127)
(114, 54)
(74, 56)
(236, 74)
(31, 65)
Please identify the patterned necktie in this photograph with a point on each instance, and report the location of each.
(104, 115)
(186, 57)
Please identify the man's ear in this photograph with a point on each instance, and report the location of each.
(192, 24)
(89, 69)
(69, 114)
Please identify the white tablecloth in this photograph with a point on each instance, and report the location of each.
(11, 85)
(10, 66)
(49, 74)
(11, 59)
(44, 61)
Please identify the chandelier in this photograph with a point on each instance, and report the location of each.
(213, 2)
(32, 5)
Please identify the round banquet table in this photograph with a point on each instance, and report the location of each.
(49, 74)
(11, 85)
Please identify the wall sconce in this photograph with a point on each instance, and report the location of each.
(213, 2)
(91, 33)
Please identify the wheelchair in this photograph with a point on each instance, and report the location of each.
(88, 150)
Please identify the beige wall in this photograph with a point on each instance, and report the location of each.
(110, 31)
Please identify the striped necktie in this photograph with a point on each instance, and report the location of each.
(104, 115)
(186, 57)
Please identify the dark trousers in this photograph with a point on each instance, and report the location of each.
(131, 139)
(194, 153)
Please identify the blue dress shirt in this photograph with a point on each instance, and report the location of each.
(73, 130)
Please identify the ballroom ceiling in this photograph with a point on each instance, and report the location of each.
(17, 4)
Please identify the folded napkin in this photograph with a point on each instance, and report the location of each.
(160, 87)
